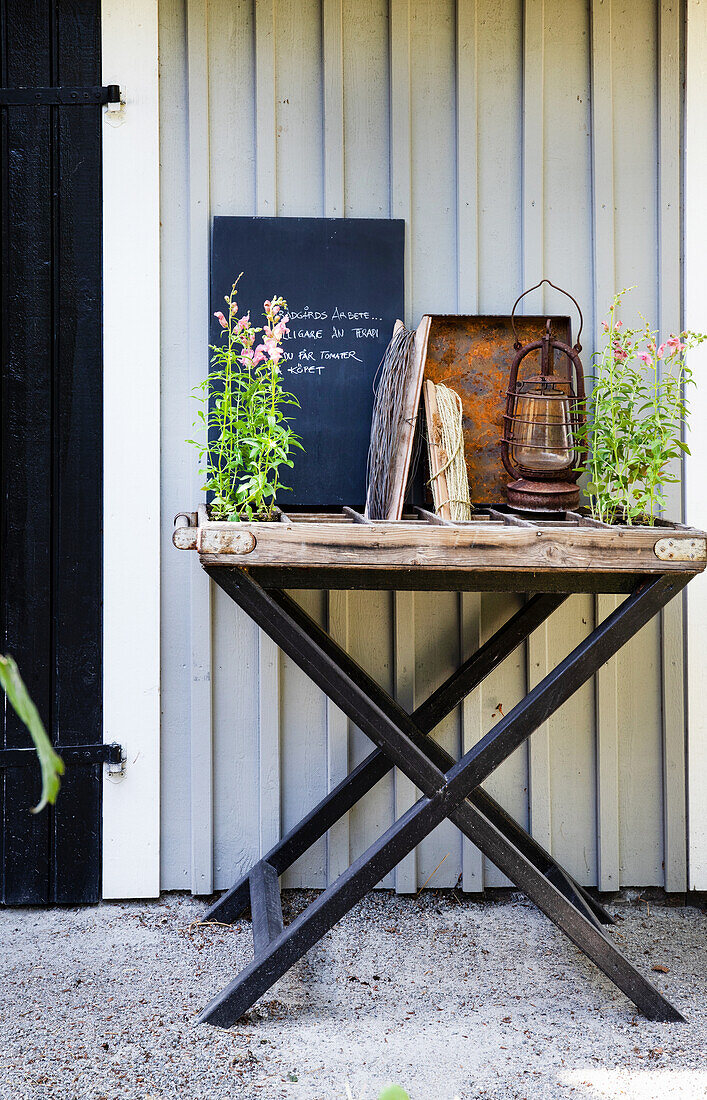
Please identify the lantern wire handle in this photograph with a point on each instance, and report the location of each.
(517, 344)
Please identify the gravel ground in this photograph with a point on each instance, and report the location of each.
(449, 997)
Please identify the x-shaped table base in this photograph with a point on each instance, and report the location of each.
(449, 789)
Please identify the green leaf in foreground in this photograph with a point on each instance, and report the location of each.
(393, 1092)
(51, 764)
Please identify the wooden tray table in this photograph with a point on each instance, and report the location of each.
(548, 559)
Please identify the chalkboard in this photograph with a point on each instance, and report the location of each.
(343, 281)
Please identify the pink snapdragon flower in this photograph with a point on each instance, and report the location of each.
(272, 349)
(250, 358)
(645, 358)
(221, 319)
(243, 322)
(676, 344)
(661, 351)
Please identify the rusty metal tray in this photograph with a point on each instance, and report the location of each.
(472, 355)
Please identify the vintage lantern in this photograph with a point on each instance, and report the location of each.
(543, 424)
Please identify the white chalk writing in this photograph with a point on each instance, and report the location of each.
(312, 351)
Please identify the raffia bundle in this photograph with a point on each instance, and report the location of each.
(450, 482)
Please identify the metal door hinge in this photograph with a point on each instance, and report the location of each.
(95, 96)
(112, 755)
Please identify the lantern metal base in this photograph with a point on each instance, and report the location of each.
(542, 496)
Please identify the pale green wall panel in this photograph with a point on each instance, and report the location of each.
(517, 140)
(366, 121)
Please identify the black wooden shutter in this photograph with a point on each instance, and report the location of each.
(51, 438)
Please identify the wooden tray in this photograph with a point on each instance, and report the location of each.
(493, 542)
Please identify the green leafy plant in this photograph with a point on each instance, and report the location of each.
(248, 436)
(52, 766)
(636, 415)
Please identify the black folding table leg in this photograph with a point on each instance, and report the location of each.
(442, 702)
(563, 913)
(296, 842)
(542, 860)
(363, 778)
(430, 713)
(321, 915)
(265, 906)
(446, 794)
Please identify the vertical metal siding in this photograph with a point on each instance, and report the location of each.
(516, 139)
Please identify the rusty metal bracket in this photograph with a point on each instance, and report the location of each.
(184, 535)
(192, 518)
(231, 541)
(675, 549)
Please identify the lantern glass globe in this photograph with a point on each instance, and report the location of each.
(542, 431)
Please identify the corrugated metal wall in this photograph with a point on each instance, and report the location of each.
(517, 140)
